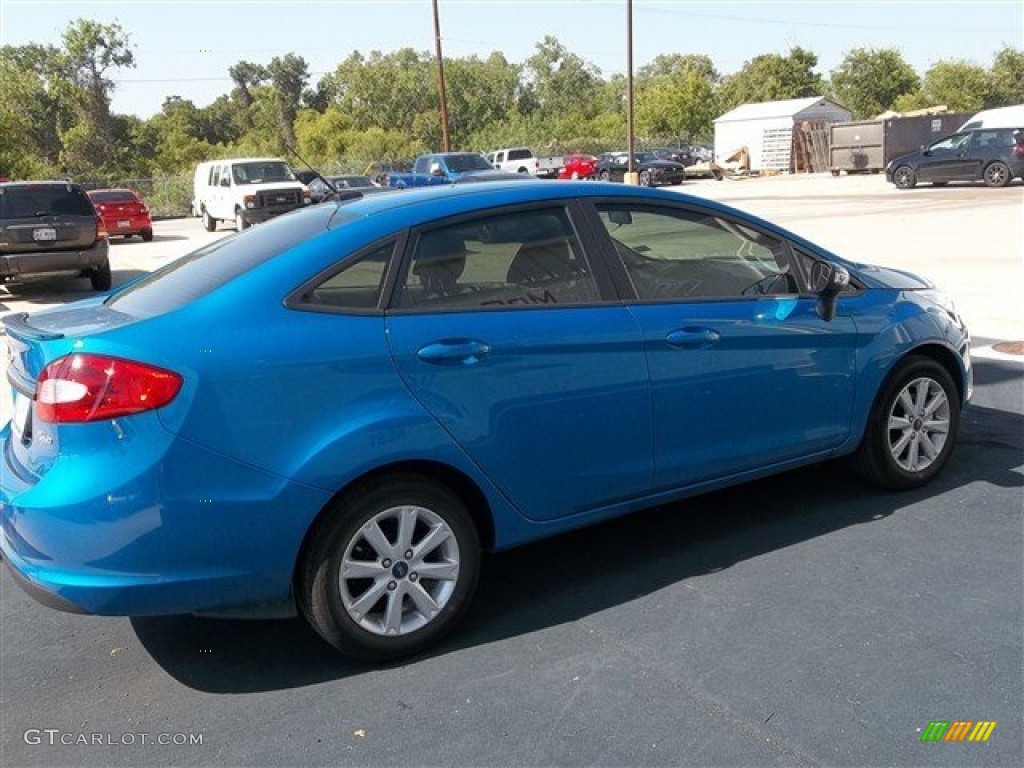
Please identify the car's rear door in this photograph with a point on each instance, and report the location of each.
(501, 328)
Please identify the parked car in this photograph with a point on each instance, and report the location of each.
(522, 160)
(51, 228)
(245, 190)
(992, 155)
(681, 155)
(319, 189)
(578, 167)
(440, 168)
(339, 410)
(122, 212)
(653, 171)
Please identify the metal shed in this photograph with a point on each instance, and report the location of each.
(768, 129)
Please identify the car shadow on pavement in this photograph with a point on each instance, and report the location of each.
(575, 575)
(64, 290)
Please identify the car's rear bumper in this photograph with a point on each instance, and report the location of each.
(128, 225)
(14, 265)
(124, 534)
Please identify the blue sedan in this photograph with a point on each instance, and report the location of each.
(338, 411)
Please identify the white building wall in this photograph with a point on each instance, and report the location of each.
(731, 135)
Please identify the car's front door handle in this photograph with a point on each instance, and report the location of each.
(454, 352)
(692, 338)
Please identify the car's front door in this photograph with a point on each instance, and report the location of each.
(945, 160)
(745, 374)
(500, 329)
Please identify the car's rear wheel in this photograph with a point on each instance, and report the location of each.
(996, 174)
(904, 177)
(391, 568)
(209, 223)
(147, 235)
(100, 277)
(912, 426)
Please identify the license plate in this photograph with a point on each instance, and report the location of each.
(123, 224)
(44, 233)
(22, 406)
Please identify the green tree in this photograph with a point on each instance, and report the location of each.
(90, 51)
(561, 83)
(247, 76)
(771, 77)
(959, 85)
(869, 80)
(676, 97)
(288, 76)
(1006, 78)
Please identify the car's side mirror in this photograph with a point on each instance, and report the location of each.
(828, 281)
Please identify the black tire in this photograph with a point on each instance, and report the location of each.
(904, 177)
(939, 183)
(604, 176)
(209, 223)
(880, 459)
(646, 180)
(240, 222)
(147, 235)
(996, 174)
(100, 277)
(330, 603)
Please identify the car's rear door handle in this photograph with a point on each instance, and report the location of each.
(454, 352)
(692, 338)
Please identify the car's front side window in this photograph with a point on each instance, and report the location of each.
(676, 254)
(523, 259)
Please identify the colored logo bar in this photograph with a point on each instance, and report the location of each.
(958, 730)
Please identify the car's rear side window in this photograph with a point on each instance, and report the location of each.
(39, 200)
(216, 264)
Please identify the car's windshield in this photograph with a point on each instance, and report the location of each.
(468, 162)
(261, 172)
(645, 157)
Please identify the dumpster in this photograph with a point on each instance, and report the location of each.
(867, 146)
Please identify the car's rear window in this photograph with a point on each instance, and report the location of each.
(40, 200)
(113, 196)
(216, 264)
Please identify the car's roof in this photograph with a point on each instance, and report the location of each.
(111, 189)
(469, 197)
(40, 183)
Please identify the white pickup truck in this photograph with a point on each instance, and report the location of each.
(522, 160)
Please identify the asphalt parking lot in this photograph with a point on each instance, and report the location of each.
(803, 620)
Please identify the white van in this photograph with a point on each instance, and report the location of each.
(1000, 117)
(246, 190)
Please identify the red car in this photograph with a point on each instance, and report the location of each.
(122, 212)
(578, 167)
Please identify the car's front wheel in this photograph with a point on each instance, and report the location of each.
(996, 174)
(209, 223)
(912, 426)
(604, 176)
(240, 222)
(391, 568)
(646, 180)
(904, 177)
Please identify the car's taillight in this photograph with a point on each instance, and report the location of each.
(84, 387)
(1018, 150)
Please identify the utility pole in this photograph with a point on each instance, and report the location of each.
(632, 177)
(445, 141)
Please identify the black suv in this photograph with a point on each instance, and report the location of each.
(993, 155)
(51, 228)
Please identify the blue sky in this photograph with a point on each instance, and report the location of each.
(184, 48)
